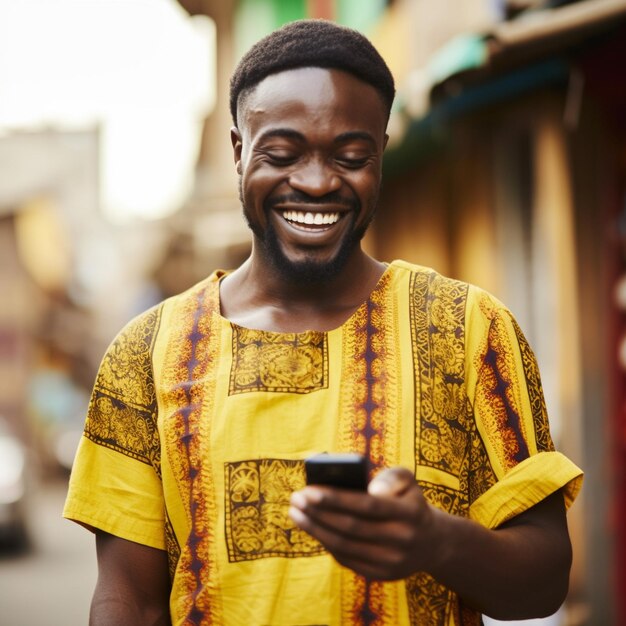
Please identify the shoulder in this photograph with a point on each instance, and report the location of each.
(437, 289)
(129, 356)
(428, 277)
(138, 333)
(438, 296)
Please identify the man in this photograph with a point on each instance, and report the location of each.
(191, 467)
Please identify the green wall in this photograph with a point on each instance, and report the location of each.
(256, 18)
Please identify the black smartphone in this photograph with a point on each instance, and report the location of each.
(344, 470)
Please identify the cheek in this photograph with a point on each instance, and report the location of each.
(367, 189)
(259, 183)
(256, 187)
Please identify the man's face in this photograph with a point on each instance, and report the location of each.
(309, 154)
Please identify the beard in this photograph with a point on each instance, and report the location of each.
(310, 270)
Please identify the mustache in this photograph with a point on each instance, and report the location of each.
(298, 197)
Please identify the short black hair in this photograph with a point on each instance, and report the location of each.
(312, 43)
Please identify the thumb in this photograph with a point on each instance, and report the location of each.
(391, 482)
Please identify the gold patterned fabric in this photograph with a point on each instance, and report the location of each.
(198, 428)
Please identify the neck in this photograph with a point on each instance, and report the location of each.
(259, 297)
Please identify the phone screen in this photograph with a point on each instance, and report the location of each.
(346, 471)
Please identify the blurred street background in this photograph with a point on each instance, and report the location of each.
(51, 580)
(506, 167)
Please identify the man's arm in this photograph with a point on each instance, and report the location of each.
(133, 584)
(518, 571)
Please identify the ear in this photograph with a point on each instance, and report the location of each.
(235, 140)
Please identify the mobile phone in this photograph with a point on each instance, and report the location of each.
(345, 470)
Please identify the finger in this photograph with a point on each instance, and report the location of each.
(363, 556)
(389, 532)
(354, 503)
(391, 482)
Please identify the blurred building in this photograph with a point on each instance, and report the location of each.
(48, 205)
(61, 266)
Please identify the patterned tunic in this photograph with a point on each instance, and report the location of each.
(198, 428)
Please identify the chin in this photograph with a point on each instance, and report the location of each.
(310, 269)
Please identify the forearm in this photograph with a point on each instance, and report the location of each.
(133, 584)
(111, 608)
(516, 572)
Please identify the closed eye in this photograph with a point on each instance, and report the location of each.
(353, 163)
(280, 158)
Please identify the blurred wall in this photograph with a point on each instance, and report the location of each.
(512, 176)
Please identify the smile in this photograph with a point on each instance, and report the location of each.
(309, 218)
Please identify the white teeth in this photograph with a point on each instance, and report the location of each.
(300, 217)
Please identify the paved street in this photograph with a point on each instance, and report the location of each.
(50, 585)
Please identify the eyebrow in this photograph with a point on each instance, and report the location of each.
(354, 135)
(290, 133)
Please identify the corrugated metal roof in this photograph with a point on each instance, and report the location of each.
(477, 70)
(525, 40)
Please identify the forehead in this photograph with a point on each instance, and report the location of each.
(313, 97)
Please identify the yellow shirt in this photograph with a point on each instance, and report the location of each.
(198, 428)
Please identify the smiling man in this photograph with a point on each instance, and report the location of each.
(309, 152)
(191, 468)
(325, 142)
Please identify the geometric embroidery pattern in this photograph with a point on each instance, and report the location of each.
(257, 520)
(535, 393)
(370, 367)
(122, 413)
(498, 395)
(430, 602)
(278, 362)
(190, 356)
(370, 370)
(442, 433)
(446, 437)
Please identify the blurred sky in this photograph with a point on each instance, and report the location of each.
(141, 70)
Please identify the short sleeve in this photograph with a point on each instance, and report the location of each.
(115, 485)
(504, 390)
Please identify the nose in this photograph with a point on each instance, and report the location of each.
(315, 177)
